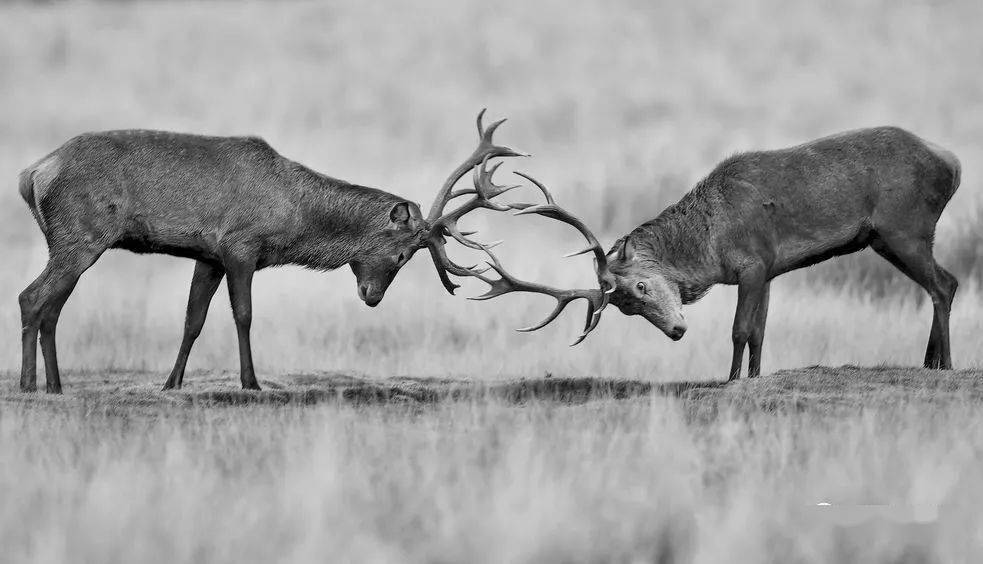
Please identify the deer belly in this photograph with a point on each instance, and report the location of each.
(158, 237)
(808, 249)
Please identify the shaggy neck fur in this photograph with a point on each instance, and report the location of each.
(337, 222)
(679, 245)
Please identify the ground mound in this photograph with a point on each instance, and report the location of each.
(813, 388)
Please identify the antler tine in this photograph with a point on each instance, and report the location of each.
(481, 117)
(560, 306)
(486, 188)
(482, 131)
(549, 197)
(593, 316)
(462, 239)
(507, 283)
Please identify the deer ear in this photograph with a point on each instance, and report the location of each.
(400, 214)
(626, 251)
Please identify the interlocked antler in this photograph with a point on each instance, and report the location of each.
(443, 224)
(597, 299)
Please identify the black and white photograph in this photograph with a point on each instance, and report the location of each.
(491, 282)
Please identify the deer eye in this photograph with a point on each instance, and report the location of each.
(641, 287)
(401, 258)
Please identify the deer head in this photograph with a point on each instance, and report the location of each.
(642, 287)
(393, 247)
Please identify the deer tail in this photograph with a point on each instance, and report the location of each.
(956, 171)
(32, 187)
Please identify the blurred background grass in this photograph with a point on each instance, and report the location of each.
(625, 105)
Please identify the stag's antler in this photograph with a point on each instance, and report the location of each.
(444, 224)
(485, 190)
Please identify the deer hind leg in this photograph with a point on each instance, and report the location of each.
(751, 288)
(942, 358)
(31, 303)
(913, 257)
(41, 303)
(204, 283)
(756, 340)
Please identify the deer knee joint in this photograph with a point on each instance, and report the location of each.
(242, 316)
(951, 283)
(755, 339)
(194, 330)
(28, 308)
(26, 299)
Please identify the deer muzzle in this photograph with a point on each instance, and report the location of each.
(369, 294)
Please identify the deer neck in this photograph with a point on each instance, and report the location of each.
(681, 241)
(337, 223)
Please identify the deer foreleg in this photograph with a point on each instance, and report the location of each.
(756, 340)
(751, 287)
(240, 280)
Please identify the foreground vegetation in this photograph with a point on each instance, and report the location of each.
(681, 473)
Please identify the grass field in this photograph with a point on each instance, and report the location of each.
(325, 467)
(426, 429)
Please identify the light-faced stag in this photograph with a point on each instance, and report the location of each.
(234, 205)
(761, 214)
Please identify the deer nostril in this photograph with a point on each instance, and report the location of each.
(677, 332)
(363, 291)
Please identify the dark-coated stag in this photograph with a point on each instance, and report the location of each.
(234, 205)
(761, 214)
